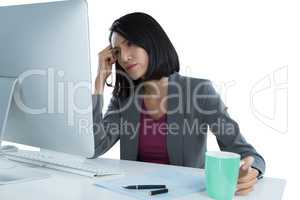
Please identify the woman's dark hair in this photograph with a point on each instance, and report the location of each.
(144, 31)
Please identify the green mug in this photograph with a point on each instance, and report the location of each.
(221, 174)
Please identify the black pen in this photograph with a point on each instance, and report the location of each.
(143, 187)
(161, 191)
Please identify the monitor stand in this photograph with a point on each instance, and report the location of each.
(12, 172)
(7, 88)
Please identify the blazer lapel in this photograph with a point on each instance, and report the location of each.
(175, 117)
(130, 130)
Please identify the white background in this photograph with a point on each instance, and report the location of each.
(251, 48)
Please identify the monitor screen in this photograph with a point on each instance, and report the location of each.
(46, 45)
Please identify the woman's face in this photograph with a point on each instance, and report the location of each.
(132, 58)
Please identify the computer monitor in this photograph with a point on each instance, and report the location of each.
(46, 46)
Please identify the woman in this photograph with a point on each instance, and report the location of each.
(158, 115)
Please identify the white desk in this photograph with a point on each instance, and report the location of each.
(63, 185)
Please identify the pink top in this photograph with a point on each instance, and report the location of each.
(153, 139)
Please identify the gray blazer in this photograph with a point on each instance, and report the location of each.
(194, 107)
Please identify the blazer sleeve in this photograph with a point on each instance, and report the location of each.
(227, 131)
(106, 129)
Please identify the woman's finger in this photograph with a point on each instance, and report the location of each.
(106, 58)
(110, 59)
(244, 192)
(247, 163)
(103, 52)
(251, 174)
(246, 184)
(106, 49)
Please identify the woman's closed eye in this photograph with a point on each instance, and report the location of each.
(117, 51)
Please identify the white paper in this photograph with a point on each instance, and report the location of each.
(178, 183)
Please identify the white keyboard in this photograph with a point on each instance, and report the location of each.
(68, 163)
